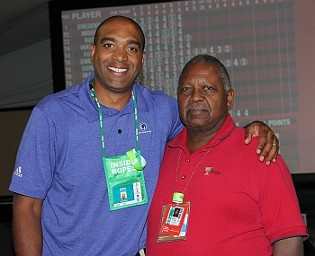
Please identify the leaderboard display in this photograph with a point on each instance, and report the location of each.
(255, 39)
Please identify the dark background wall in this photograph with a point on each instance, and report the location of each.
(12, 123)
(25, 69)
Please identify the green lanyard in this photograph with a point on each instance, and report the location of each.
(100, 117)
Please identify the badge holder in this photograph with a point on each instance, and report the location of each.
(124, 176)
(174, 220)
(137, 161)
(125, 182)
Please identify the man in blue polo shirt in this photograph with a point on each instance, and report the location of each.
(89, 158)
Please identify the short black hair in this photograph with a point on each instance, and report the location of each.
(119, 17)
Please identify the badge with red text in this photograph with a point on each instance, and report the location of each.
(174, 222)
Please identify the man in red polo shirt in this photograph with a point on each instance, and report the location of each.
(228, 202)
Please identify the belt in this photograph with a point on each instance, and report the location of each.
(142, 252)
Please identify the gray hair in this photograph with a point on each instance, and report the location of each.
(208, 59)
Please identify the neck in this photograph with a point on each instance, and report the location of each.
(198, 136)
(197, 139)
(112, 99)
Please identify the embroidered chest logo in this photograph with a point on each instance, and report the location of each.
(143, 128)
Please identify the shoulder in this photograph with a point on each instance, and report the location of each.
(155, 96)
(234, 145)
(58, 107)
(240, 133)
(74, 96)
(58, 98)
(161, 108)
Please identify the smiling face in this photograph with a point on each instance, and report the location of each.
(202, 99)
(117, 55)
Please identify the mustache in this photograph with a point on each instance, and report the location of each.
(197, 107)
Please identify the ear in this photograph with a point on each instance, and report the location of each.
(230, 98)
(92, 51)
(143, 57)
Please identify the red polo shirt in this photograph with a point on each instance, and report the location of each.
(239, 206)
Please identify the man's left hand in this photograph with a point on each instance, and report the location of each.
(268, 145)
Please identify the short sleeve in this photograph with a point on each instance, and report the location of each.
(35, 159)
(280, 211)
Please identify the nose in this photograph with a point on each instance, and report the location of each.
(196, 95)
(120, 54)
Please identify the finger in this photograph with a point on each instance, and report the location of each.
(270, 150)
(273, 152)
(263, 146)
(251, 131)
(264, 152)
(272, 156)
(248, 138)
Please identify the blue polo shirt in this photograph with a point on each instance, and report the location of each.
(60, 161)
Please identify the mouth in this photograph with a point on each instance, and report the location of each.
(196, 111)
(118, 70)
(197, 108)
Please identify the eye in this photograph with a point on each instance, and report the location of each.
(208, 88)
(185, 90)
(133, 48)
(108, 45)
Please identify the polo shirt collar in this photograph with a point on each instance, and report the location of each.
(90, 106)
(180, 141)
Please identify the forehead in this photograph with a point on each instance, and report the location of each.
(120, 27)
(201, 71)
